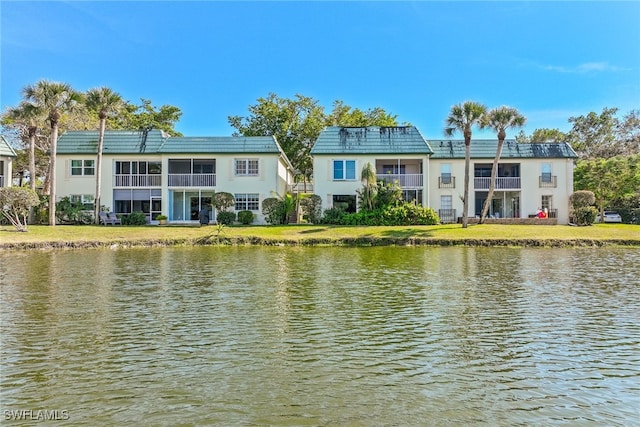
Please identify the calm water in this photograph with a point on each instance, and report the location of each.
(322, 336)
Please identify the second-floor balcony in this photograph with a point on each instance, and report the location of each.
(142, 180)
(502, 183)
(192, 180)
(404, 180)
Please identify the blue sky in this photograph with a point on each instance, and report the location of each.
(212, 59)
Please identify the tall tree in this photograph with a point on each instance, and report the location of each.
(105, 103)
(146, 116)
(344, 115)
(594, 135)
(499, 119)
(462, 118)
(55, 99)
(369, 185)
(28, 117)
(295, 123)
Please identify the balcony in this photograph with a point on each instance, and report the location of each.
(405, 180)
(502, 183)
(547, 181)
(154, 180)
(192, 180)
(445, 181)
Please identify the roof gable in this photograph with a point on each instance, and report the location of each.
(371, 140)
(5, 149)
(486, 149)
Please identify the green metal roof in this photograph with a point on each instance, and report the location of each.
(5, 149)
(486, 149)
(221, 144)
(371, 140)
(157, 142)
(115, 142)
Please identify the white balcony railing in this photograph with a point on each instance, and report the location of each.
(154, 180)
(502, 183)
(405, 180)
(192, 180)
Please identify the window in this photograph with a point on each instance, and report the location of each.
(247, 202)
(546, 172)
(344, 170)
(82, 167)
(546, 202)
(138, 168)
(445, 173)
(345, 202)
(86, 199)
(446, 202)
(247, 167)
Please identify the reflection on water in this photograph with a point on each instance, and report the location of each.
(323, 336)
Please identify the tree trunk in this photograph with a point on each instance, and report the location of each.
(52, 174)
(96, 212)
(465, 202)
(492, 183)
(32, 159)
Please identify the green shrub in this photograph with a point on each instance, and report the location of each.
(226, 217)
(334, 216)
(68, 212)
(245, 217)
(312, 208)
(274, 211)
(404, 214)
(582, 198)
(134, 218)
(223, 200)
(585, 215)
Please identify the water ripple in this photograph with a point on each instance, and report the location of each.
(323, 336)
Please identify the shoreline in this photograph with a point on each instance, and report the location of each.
(321, 242)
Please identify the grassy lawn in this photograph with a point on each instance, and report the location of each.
(299, 233)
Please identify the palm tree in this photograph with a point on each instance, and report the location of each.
(105, 103)
(499, 119)
(55, 99)
(463, 117)
(370, 185)
(29, 117)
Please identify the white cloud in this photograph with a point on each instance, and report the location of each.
(587, 67)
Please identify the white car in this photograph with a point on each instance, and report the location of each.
(610, 216)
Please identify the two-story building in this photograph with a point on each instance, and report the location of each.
(177, 176)
(530, 176)
(399, 154)
(174, 176)
(7, 154)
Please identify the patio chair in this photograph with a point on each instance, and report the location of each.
(105, 220)
(112, 216)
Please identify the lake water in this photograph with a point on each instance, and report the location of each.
(290, 336)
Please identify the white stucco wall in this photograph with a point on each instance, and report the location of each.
(530, 192)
